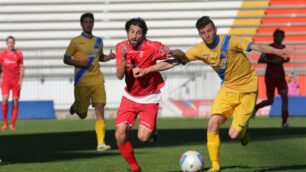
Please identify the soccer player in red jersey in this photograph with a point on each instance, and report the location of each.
(11, 61)
(275, 77)
(141, 95)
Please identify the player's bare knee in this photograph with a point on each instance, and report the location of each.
(233, 133)
(15, 102)
(5, 100)
(120, 136)
(213, 125)
(143, 137)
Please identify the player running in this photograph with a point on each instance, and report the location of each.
(275, 77)
(11, 61)
(142, 95)
(84, 53)
(237, 95)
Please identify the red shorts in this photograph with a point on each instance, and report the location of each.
(128, 111)
(272, 83)
(10, 85)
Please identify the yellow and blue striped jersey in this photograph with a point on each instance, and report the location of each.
(80, 48)
(227, 58)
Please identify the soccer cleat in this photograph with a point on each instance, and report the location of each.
(103, 147)
(72, 109)
(286, 125)
(4, 126)
(245, 140)
(153, 138)
(12, 127)
(130, 170)
(213, 170)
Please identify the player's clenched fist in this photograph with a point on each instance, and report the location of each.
(139, 72)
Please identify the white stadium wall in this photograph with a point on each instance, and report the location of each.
(43, 30)
(203, 86)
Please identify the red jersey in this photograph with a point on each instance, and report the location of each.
(275, 70)
(145, 56)
(11, 61)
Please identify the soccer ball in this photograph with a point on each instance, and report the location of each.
(191, 161)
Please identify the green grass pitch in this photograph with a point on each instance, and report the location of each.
(69, 146)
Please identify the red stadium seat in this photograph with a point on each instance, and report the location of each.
(286, 2)
(269, 20)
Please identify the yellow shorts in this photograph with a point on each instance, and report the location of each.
(238, 105)
(86, 95)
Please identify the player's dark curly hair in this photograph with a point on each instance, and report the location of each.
(137, 22)
(83, 16)
(203, 21)
(278, 31)
(10, 37)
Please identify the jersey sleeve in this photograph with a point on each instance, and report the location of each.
(71, 48)
(191, 54)
(158, 47)
(241, 44)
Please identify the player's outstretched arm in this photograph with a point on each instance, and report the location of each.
(161, 66)
(270, 50)
(105, 58)
(69, 61)
(177, 53)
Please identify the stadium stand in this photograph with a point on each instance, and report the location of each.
(290, 17)
(43, 30)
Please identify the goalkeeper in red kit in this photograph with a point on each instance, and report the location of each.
(275, 77)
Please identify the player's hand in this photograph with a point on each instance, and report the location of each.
(111, 55)
(172, 53)
(138, 72)
(83, 63)
(124, 52)
(284, 53)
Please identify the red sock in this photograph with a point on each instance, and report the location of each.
(4, 112)
(14, 114)
(285, 117)
(127, 152)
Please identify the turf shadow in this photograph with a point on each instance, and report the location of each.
(176, 137)
(301, 167)
(46, 147)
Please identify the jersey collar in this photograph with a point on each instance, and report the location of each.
(87, 36)
(216, 42)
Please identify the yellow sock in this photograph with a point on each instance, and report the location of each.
(100, 130)
(213, 144)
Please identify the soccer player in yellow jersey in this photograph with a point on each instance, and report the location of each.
(238, 93)
(84, 53)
